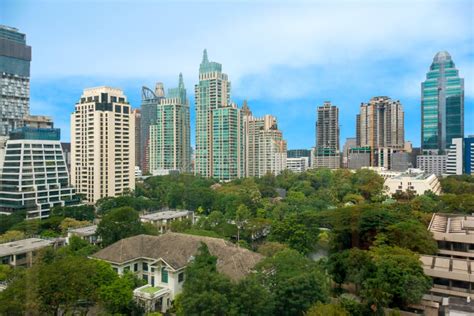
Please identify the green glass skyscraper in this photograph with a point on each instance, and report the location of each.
(219, 126)
(169, 140)
(442, 105)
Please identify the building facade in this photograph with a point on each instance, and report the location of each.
(351, 142)
(15, 58)
(169, 142)
(442, 105)
(102, 144)
(413, 180)
(220, 145)
(432, 163)
(380, 124)
(454, 162)
(138, 118)
(34, 177)
(469, 155)
(297, 165)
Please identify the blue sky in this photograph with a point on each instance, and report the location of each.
(284, 57)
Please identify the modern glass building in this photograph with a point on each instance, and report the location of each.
(34, 177)
(169, 147)
(219, 126)
(442, 105)
(148, 110)
(15, 58)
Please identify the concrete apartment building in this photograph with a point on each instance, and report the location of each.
(452, 269)
(432, 163)
(327, 153)
(161, 261)
(15, 59)
(102, 144)
(266, 150)
(380, 127)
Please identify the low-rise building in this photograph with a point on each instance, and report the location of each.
(161, 261)
(432, 163)
(87, 233)
(163, 219)
(452, 269)
(21, 253)
(413, 180)
(297, 165)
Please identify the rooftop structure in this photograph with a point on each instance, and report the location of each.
(22, 252)
(413, 180)
(163, 219)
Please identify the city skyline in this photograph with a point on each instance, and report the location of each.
(288, 81)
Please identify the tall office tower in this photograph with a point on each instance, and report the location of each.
(102, 144)
(220, 144)
(327, 137)
(33, 176)
(149, 107)
(380, 126)
(266, 149)
(351, 142)
(138, 118)
(15, 58)
(442, 105)
(170, 147)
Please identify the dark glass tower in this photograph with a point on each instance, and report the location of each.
(442, 105)
(15, 58)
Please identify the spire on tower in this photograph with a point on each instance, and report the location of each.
(204, 57)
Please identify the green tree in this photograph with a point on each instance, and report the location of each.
(118, 296)
(119, 223)
(80, 212)
(242, 216)
(295, 282)
(205, 292)
(251, 298)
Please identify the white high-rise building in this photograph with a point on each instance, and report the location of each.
(102, 144)
(454, 163)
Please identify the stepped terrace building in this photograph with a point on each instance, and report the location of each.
(452, 269)
(33, 176)
(161, 261)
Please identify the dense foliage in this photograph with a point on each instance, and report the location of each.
(369, 243)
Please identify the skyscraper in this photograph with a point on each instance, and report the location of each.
(149, 107)
(102, 144)
(15, 58)
(380, 126)
(220, 144)
(442, 105)
(327, 137)
(169, 147)
(266, 150)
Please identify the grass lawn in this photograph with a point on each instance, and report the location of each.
(151, 289)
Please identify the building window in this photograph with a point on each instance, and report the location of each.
(164, 275)
(145, 266)
(181, 277)
(145, 278)
(135, 267)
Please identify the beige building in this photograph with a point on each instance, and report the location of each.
(380, 127)
(266, 150)
(102, 144)
(161, 262)
(414, 180)
(452, 269)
